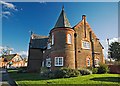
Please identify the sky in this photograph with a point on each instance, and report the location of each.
(19, 18)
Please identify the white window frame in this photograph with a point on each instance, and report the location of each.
(48, 62)
(49, 46)
(69, 39)
(96, 62)
(85, 45)
(57, 61)
(52, 38)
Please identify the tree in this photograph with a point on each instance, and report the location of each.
(114, 50)
(6, 50)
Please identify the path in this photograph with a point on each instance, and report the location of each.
(5, 78)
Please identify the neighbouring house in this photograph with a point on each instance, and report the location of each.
(73, 47)
(12, 60)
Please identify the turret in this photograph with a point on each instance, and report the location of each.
(62, 35)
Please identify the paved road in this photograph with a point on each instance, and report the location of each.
(5, 78)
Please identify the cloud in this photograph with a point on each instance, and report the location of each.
(6, 13)
(24, 54)
(105, 45)
(8, 5)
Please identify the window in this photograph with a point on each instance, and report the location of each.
(96, 62)
(48, 62)
(88, 62)
(49, 46)
(69, 39)
(52, 38)
(85, 45)
(58, 61)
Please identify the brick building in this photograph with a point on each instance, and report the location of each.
(12, 60)
(66, 46)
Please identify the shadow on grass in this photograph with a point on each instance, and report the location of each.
(27, 76)
(107, 79)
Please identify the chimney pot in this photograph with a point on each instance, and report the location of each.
(84, 17)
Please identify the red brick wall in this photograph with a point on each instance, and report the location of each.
(114, 68)
(62, 49)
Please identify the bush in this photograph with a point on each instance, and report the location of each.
(74, 73)
(61, 73)
(85, 71)
(66, 73)
(94, 70)
(103, 68)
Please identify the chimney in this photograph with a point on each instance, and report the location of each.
(84, 17)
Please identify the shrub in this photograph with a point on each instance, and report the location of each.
(94, 70)
(103, 68)
(66, 73)
(61, 73)
(74, 73)
(22, 70)
(85, 71)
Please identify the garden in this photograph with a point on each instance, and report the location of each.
(65, 76)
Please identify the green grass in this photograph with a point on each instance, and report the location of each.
(28, 79)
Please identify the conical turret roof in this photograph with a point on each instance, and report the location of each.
(62, 20)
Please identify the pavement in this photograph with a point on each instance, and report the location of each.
(5, 79)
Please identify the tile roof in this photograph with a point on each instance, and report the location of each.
(10, 57)
(38, 41)
(62, 20)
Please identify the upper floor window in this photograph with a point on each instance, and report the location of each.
(52, 38)
(49, 46)
(69, 39)
(85, 45)
(58, 61)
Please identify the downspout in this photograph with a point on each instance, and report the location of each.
(75, 35)
(92, 47)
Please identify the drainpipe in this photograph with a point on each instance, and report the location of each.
(92, 47)
(75, 35)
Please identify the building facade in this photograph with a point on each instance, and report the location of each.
(73, 47)
(12, 61)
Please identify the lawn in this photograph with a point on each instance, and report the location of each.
(27, 79)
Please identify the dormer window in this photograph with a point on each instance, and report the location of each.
(52, 38)
(85, 45)
(69, 39)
